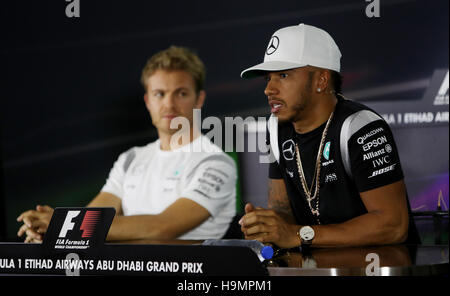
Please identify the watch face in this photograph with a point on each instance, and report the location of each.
(307, 233)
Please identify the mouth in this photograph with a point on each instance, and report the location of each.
(275, 106)
(169, 116)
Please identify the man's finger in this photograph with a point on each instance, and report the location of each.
(25, 214)
(28, 221)
(258, 219)
(249, 208)
(44, 208)
(259, 229)
(258, 216)
(34, 224)
(39, 241)
(32, 240)
(33, 234)
(22, 230)
(263, 237)
(39, 226)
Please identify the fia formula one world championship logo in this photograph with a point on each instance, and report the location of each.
(69, 236)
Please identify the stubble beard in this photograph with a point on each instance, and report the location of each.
(301, 106)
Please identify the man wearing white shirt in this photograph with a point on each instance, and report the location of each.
(173, 187)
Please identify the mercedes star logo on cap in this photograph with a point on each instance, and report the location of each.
(273, 45)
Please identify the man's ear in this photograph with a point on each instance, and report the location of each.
(146, 98)
(200, 99)
(324, 80)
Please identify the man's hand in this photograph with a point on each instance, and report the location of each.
(35, 223)
(267, 226)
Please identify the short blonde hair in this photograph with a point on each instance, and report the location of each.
(176, 58)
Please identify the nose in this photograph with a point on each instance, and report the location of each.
(169, 102)
(270, 89)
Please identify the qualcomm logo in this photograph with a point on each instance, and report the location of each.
(442, 95)
(326, 150)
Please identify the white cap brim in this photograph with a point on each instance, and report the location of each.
(269, 66)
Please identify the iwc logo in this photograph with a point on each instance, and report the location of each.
(273, 45)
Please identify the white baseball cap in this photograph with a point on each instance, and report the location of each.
(295, 47)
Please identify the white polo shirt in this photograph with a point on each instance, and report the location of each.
(148, 180)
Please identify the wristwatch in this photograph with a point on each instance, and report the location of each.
(306, 234)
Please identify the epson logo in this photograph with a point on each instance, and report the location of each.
(374, 143)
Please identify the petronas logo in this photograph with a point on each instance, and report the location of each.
(326, 151)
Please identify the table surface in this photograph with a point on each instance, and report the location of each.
(377, 260)
(352, 261)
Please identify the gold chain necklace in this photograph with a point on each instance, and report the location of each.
(315, 181)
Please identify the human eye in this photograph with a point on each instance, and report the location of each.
(283, 75)
(182, 93)
(158, 94)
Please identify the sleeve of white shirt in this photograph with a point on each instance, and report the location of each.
(114, 183)
(212, 183)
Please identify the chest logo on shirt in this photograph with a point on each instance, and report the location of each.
(326, 150)
(138, 169)
(176, 174)
(288, 149)
(331, 178)
(291, 174)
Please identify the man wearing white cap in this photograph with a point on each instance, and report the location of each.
(336, 179)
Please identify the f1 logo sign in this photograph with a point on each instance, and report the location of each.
(87, 225)
(68, 224)
(78, 228)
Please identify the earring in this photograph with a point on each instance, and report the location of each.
(318, 90)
